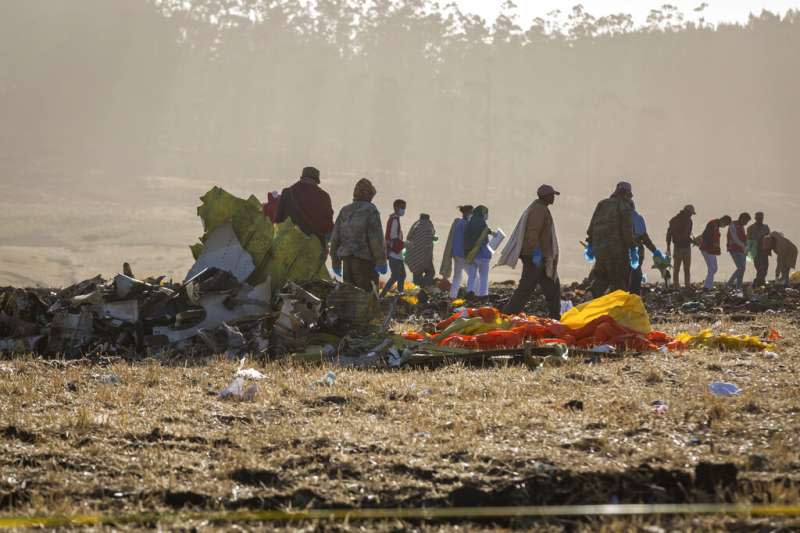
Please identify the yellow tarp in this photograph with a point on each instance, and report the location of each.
(723, 340)
(627, 309)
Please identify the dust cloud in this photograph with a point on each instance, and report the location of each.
(118, 114)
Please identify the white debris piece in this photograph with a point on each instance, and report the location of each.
(250, 373)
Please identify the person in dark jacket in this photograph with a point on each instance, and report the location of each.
(786, 251)
(679, 233)
(757, 249)
(737, 247)
(307, 205)
(610, 239)
(711, 247)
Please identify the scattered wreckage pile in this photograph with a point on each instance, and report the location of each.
(242, 295)
(262, 289)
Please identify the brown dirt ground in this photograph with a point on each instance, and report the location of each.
(161, 440)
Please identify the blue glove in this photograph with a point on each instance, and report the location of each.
(382, 270)
(588, 253)
(633, 253)
(658, 255)
(337, 271)
(537, 257)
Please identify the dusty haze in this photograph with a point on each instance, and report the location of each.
(118, 114)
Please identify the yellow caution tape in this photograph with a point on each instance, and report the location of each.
(407, 514)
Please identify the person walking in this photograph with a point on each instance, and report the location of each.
(711, 248)
(610, 239)
(478, 256)
(453, 258)
(307, 205)
(679, 233)
(357, 241)
(756, 233)
(787, 255)
(534, 242)
(737, 247)
(394, 249)
(419, 251)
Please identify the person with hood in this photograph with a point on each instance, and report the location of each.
(478, 254)
(756, 233)
(534, 242)
(307, 205)
(737, 247)
(680, 233)
(357, 241)
(711, 248)
(786, 252)
(419, 251)
(394, 249)
(453, 258)
(610, 239)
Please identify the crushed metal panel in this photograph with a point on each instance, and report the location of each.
(223, 250)
(250, 302)
(124, 311)
(126, 286)
(70, 332)
(300, 311)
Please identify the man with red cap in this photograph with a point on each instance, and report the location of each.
(534, 241)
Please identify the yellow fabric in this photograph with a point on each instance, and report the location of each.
(795, 277)
(627, 309)
(723, 340)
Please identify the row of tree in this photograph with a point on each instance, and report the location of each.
(403, 90)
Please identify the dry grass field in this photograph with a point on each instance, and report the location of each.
(158, 439)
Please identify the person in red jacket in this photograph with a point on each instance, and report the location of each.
(271, 207)
(308, 206)
(737, 247)
(710, 247)
(394, 249)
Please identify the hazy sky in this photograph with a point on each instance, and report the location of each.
(717, 10)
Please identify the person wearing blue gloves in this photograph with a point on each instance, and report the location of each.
(358, 250)
(642, 241)
(535, 243)
(610, 235)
